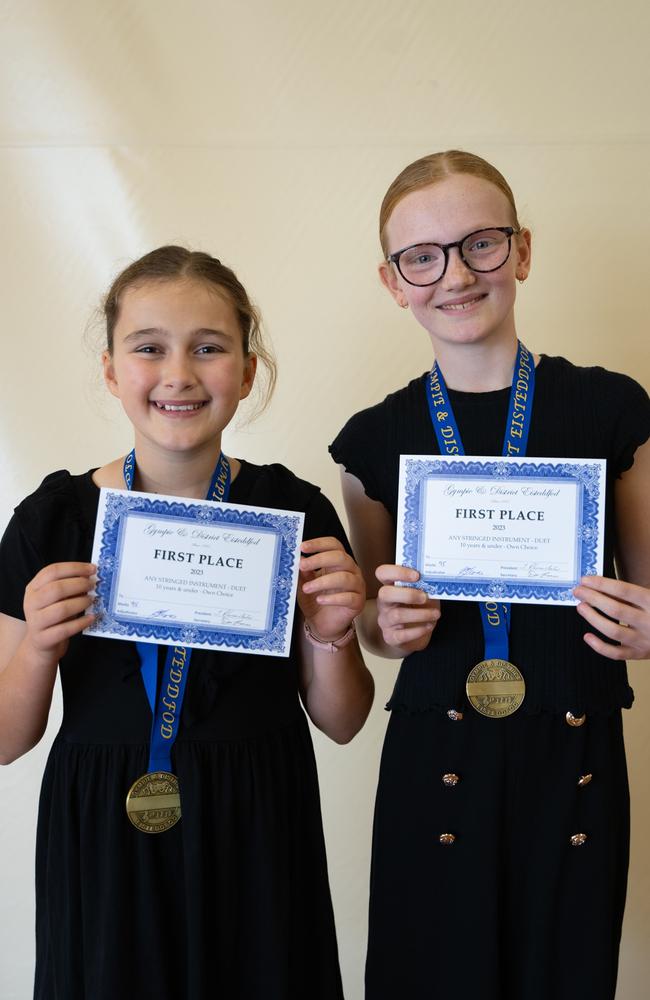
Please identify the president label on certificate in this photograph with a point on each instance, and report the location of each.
(195, 572)
(510, 529)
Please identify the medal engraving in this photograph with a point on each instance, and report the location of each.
(154, 804)
(495, 688)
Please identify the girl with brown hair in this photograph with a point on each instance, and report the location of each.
(233, 900)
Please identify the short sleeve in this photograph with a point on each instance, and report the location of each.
(46, 527)
(321, 520)
(627, 412)
(357, 447)
(276, 486)
(19, 563)
(633, 426)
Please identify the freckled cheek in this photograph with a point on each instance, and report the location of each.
(419, 298)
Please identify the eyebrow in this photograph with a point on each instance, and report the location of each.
(477, 229)
(157, 331)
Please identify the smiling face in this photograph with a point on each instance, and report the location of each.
(464, 306)
(178, 365)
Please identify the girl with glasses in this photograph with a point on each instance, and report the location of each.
(500, 844)
(233, 900)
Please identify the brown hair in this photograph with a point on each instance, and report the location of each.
(171, 262)
(433, 168)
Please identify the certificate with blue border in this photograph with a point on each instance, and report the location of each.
(510, 529)
(195, 572)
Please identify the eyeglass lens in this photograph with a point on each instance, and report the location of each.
(482, 251)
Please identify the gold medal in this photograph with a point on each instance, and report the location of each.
(495, 688)
(154, 802)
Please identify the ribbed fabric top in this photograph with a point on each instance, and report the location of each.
(577, 413)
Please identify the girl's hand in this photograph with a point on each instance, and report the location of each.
(406, 616)
(56, 607)
(331, 591)
(628, 604)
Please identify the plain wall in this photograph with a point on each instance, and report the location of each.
(267, 134)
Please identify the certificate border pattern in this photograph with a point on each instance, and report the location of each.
(286, 526)
(585, 475)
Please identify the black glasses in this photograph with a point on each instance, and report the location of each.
(483, 251)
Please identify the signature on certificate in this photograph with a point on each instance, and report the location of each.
(469, 571)
(241, 618)
(226, 617)
(545, 571)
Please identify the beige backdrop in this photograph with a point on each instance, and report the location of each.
(267, 135)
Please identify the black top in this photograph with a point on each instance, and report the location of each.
(577, 413)
(56, 524)
(234, 900)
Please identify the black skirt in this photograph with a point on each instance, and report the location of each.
(505, 907)
(231, 902)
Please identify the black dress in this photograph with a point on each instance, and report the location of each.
(232, 902)
(508, 909)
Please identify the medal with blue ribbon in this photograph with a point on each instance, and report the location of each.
(153, 803)
(495, 687)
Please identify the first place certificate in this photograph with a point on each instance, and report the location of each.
(195, 572)
(509, 529)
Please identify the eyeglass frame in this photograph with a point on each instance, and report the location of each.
(510, 231)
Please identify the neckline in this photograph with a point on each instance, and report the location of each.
(235, 479)
(89, 490)
(491, 395)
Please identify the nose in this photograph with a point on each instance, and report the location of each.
(178, 372)
(457, 274)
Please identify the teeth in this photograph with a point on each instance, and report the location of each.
(459, 306)
(175, 409)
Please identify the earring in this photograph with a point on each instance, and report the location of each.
(520, 279)
(404, 305)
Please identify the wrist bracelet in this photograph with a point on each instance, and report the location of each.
(330, 646)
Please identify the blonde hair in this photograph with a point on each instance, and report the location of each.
(433, 168)
(170, 262)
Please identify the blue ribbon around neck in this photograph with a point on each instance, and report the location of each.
(166, 703)
(494, 617)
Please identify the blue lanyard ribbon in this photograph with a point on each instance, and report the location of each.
(166, 704)
(494, 617)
